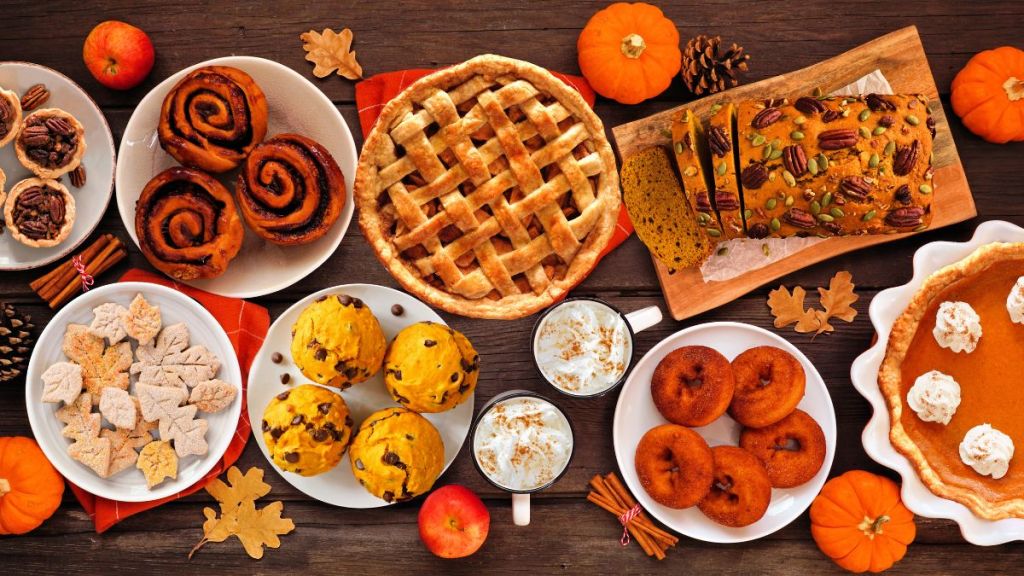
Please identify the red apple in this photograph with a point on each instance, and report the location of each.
(118, 54)
(454, 522)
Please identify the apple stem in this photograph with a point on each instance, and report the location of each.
(111, 67)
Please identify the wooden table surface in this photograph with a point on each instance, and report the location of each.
(568, 534)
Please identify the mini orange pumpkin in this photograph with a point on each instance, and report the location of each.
(629, 52)
(860, 523)
(988, 95)
(30, 488)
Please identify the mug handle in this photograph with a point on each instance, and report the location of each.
(521, 509)
(644, 318)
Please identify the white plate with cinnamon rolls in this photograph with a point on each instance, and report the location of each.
(236, 176)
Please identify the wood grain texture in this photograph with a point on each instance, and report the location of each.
(568, 535)
(901, 58)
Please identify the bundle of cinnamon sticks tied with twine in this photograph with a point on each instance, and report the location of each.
(609, 493)
(75, 275)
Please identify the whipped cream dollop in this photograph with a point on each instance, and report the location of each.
(957, 327)
(523, 443)
(987, 450)
(1015, 302)
(934, 397)
(583, 347)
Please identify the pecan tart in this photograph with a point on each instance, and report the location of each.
(39, 212)
(213, 118)
(290, 190)
(51, 143)
(488, 189)
(187, 224)
(951, 377)
(10, 116)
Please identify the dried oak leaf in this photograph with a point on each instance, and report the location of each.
(169, 361)
(102, 365)
(331, 51)
(839, 297)
(239, 517)
(789, 308)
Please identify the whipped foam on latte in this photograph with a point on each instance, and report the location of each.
(583, 347)
(523, 443)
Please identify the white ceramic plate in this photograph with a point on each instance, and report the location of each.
(294, 105)
(91, 200)
(130, 485)
(884, 310)
(635, 414)
(338, 486)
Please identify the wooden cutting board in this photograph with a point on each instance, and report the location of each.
(901, 58)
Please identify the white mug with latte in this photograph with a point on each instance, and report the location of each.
(522, 443)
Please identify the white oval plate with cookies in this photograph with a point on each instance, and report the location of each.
(294, 104)
(635, 414)
(130, 485)
(339, 486)
(91, 199)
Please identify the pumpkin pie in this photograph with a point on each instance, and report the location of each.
(951, 380)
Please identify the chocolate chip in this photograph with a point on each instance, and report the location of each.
(357, 303)
(265, 426)
(276, 357)
(348, 421)
(389, 496)
(430, 343)
(276, 433)
(359, 464)
(410, 437)
(283, 395)
(292, 457)
(344, 299)
(324, 407)
(455, 376)
(397, 310)
(351, 372)
(329, 425)
(299, 419)
(397, 374)
(320, 354)
(321, 434)
(391, 458)
(286, 378)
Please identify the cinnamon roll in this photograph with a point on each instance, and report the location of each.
(213, 118)
(291, 190)
(187, 224)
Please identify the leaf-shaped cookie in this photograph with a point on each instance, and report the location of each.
(172, 339)
(79, 421)
(169, 363)
(176, 423)
(157, 461)
(118, 407)
(108, 322)
(94, 453)
(102, 365)
(331, 51)
(142, 320)
(62, 382)
(213, 395)
(789, 308)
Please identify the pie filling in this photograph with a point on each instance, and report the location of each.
(50, 142)
(40, 212)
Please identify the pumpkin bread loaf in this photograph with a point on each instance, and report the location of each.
(721, 144)
(689, 146)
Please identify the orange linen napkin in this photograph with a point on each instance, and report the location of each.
(246, 325)
(374, 92)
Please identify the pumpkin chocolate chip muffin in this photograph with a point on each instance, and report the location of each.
(430, 368)
(337, 341)
(397, 454)
(307, 429)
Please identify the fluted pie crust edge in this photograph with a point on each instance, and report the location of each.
(890, 378)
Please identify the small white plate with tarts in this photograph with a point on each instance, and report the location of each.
(295, 105)
(338, 486)
(635, 414)
(91, 200)
(885, 308)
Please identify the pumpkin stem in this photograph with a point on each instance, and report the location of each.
(872, 528)
(5, 486)
(1014, 87)
(633, 45)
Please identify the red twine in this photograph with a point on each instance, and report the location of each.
(625, 519)
(87, 279)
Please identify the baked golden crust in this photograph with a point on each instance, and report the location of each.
(890, 379)
(488, 189)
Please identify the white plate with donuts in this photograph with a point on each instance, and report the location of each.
(293, 105)
(636, 414)
(98, 161)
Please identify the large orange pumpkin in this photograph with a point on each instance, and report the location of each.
(30, 488)
(629, 52)
(859, 521)
(988, 95)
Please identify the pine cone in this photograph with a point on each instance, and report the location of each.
(15, 342)
(707, 71)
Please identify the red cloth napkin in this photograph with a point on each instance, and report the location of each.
(374, 92)
(246, 325)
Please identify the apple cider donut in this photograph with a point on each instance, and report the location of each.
(769, 384)
(741, 490)
(792, 450)
(674, 465)
(692, 385)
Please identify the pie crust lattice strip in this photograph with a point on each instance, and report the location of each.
(488, 189)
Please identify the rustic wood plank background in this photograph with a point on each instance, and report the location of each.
(568, 535)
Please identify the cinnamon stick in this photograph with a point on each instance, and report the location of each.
(645, 541)
(61, 276)
(112, 253)
(614, 482)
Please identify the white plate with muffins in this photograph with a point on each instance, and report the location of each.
(82, 139)
(231, 202)
(690, 390)
(335, 367)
